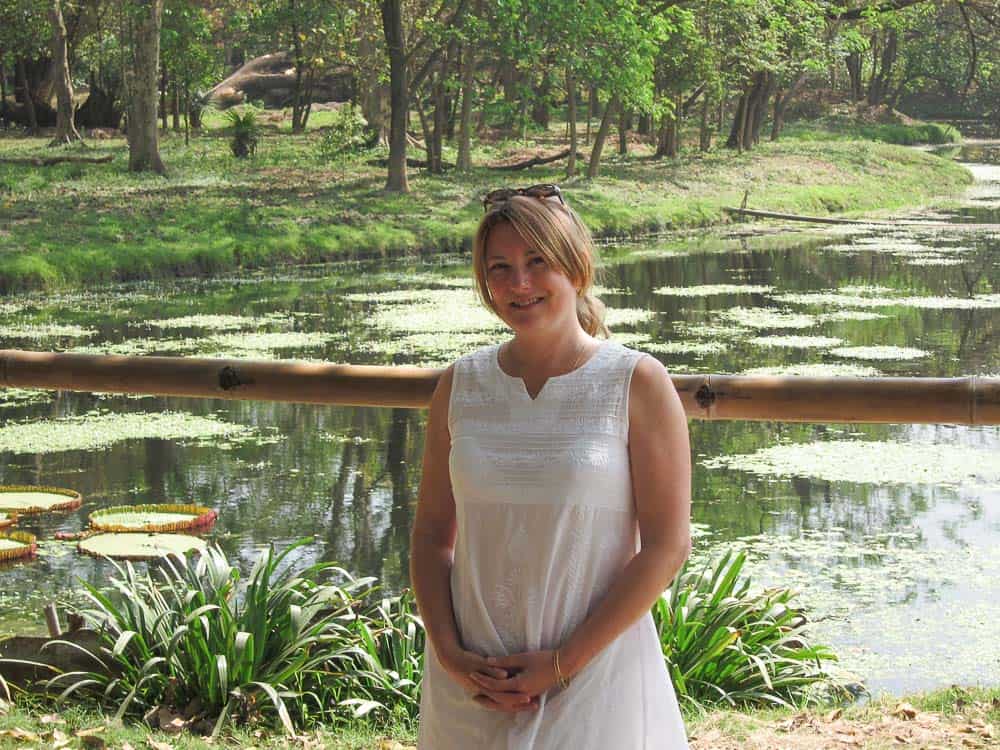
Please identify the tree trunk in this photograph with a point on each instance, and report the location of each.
(591, 111)
(540, 105)
(392, 26)
(163, 96)
(761, 96)
(704, 131)
(464, 163)
(571, 117)
(601, 137)
(66, 131)
(141, 83)
(624, 123)
(175, 107)
(3, 92)
(880, 81)
(372, 93)
(440, 114)
(853, 63)
(29, 99)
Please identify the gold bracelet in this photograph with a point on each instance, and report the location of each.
(560, 678)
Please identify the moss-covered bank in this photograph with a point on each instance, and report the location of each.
(79, 224)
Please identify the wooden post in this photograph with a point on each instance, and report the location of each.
(52, 620)
(968, 400)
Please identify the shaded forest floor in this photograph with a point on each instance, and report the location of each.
(953, 718)
(74, 224)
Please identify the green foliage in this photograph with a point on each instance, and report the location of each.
(245, 131)
(284, 646)
(344, 136)
(726, 645)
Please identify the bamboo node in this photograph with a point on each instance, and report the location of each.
(705, 396)
(229, 378)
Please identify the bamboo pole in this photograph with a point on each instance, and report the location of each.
(967, 400)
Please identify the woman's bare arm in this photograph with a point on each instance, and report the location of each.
(432, 541)
(660, 458)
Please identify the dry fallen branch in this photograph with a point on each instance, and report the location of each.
(48, 161)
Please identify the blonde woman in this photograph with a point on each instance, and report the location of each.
(553, 510)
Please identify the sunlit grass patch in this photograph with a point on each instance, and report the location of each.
(879, 352)
(797, 342)
(101, 430)
(873, 462)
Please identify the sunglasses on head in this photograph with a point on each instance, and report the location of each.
(502, 195)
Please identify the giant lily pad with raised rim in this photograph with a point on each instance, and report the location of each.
(139, 546)
(16, 545)
(152, 518)
(7, 518)
(28, 499)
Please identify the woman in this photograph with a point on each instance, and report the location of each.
(553, 510)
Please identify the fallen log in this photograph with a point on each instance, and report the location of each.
(790, 217)
(415, 163)
(951, 225)
(48, 161)
(535, 161)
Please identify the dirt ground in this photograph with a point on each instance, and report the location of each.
(899, 726)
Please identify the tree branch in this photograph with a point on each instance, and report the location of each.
(856, 14)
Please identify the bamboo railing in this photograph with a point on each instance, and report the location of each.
(967, 400)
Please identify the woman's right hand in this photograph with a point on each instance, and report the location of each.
(461, 665)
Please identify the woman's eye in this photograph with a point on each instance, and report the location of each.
(497, 267)
(538, 260)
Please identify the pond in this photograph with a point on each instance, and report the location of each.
(890, 532)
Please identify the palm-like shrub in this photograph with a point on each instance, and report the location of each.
(287, 645)
(723, 644)
(245, 131)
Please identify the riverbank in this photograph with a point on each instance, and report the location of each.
(949, 718)
(81, 224)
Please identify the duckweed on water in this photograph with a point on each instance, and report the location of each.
(705, 290)
(697, 348)
(842, 315)
(267, 342)
(879, 352)
(130, 347)
(797, 342)
(839, 298)
(815, 370)
(101, 430)
(220, 322)
(869, 462)
(10, 397)
(760, 317)
(709, 330)
(46, 331)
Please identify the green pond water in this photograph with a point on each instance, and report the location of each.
(890, 532)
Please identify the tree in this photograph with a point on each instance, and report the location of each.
(143, 21)
(399, 100)
(24, 37)
(66, 131)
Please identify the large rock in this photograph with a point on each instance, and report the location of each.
(271, 79)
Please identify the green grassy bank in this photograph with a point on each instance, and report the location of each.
(79, 224)
(949, 718)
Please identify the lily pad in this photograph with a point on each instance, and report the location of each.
(797, 342)
(7, 518)
(816, 370)
(133, 546)
(29, 499)
(762, 317)
(697, 348)
(152, 518)
(16, 545)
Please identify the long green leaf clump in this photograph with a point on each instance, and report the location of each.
(285, 644)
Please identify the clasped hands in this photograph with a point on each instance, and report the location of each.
(503, 683)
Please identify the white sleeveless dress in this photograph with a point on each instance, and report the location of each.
(546, 523)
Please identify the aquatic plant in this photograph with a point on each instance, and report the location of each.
(815, 370)
(131, 545)
(724, 644)
(697, 348)
(879, 352)
(164, 517)
(34, 499)
(7, 518)
(797, 342)
(705, 290)
(762, 317)
(16, 545)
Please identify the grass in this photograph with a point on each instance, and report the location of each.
(79, 224)
(959, 709)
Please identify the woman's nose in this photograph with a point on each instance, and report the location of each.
(520, 277)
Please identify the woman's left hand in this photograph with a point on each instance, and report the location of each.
(531, 674)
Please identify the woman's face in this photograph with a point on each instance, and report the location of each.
(528, 294)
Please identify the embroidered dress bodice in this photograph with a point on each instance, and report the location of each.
(546, 524)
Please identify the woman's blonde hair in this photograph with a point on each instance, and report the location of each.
(560, 237)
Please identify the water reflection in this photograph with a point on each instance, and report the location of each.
(870, 559)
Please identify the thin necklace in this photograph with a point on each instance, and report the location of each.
(577, 360)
